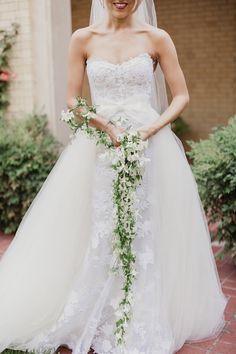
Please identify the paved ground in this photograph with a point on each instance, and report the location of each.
(226, 342)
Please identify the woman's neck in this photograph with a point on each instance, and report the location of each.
(113, 24)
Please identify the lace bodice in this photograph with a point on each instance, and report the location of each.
(114, 81)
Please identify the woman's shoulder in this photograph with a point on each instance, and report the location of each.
(81, 37)
(160, 38)
(86, 32)
(157, 33)
(82, 33)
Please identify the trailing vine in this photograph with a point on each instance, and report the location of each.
(128, 161)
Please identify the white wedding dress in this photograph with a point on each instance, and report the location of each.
(56, 286)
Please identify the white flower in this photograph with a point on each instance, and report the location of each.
(133, 272)
(126, 308)
(66, 116)
(119, 335)
(118, 313)
(130, 298)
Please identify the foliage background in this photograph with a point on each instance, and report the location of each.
(214, 167)
(28, 152)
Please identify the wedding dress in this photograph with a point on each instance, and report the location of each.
(56, 286)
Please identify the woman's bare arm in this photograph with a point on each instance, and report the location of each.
(76, 72)
(174, 76)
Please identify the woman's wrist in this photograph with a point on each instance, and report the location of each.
(101, 123)
(109, 125)
(77, 114)
(82, 111)
(153, 130)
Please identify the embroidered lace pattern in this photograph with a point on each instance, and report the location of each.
(88, 316)
(116, 81)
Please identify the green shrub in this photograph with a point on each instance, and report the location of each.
(11, 351)
(179, 127)
(214, 166)
(28, 152)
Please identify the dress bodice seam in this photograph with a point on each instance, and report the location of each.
(127, 61)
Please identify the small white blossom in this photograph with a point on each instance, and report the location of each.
(126, 308)
(66, 116)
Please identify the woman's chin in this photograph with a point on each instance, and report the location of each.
(119, 16)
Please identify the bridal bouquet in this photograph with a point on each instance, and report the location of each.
(128, 161)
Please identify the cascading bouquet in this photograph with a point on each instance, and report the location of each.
(128, 161)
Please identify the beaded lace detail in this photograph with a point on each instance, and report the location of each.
(88, 318)
(115, 81)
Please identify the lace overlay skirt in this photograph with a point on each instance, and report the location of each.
(64, 292)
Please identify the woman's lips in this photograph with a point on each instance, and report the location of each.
(120, 5)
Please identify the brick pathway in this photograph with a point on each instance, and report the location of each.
(226, 342)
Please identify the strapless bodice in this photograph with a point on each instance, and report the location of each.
(124, 90)
(116, 82)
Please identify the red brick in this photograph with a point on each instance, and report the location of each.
(216, 248)
(187, 349)
(227, 267)
(224, 348)
(230, 284)
(228, 291)
(5, 241)
(232, 276)
(231, 305)
(223, 275)
(228, 337)
(205, 344)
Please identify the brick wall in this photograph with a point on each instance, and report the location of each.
(21, 89)
(80, 13)
(80, 18)
(204, 33)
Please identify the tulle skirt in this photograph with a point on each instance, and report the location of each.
(56, 286)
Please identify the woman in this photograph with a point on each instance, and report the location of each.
(56, 287)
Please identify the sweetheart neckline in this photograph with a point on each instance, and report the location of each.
(130, 59)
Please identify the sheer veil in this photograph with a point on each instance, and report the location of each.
(146, 13)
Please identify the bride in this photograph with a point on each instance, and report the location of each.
(55, 281)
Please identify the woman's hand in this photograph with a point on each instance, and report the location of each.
(102, 124)
(113, 131)
(145, 132)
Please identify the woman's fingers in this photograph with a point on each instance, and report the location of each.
(114, 133)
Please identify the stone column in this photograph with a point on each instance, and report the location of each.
(51, 23)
